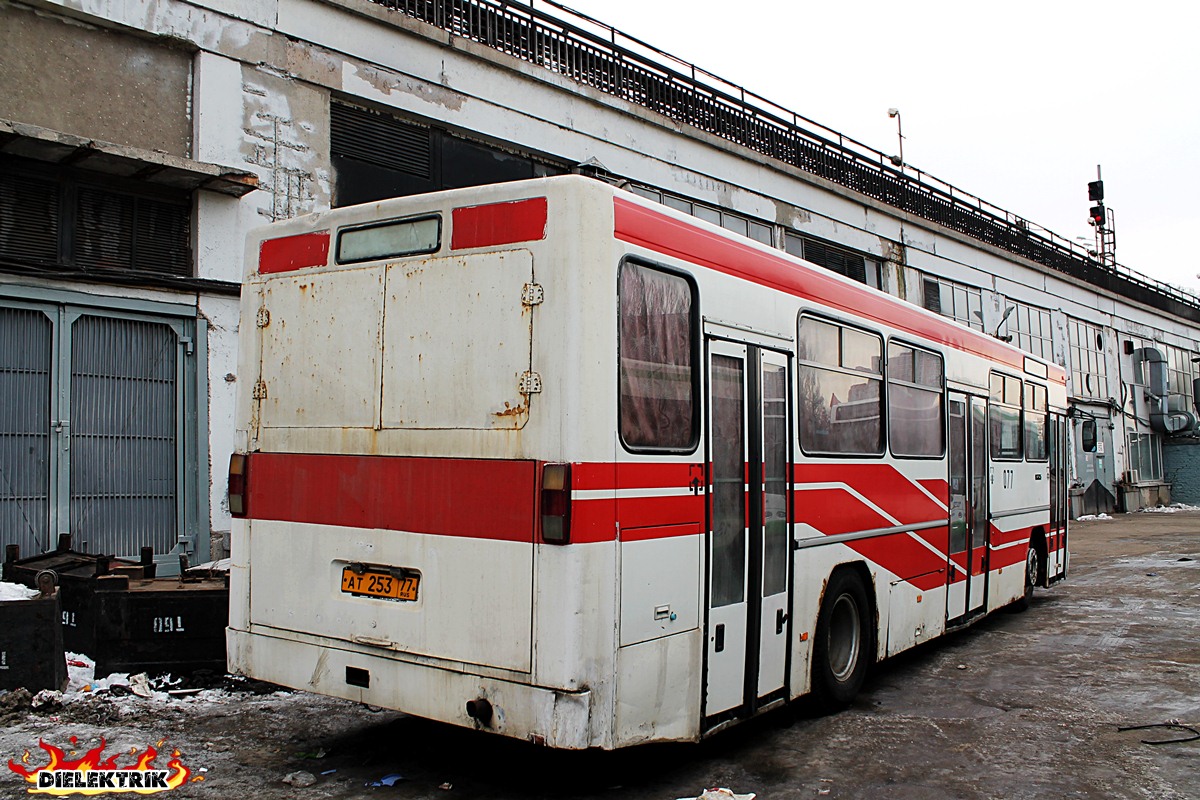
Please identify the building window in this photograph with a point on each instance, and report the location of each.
(1089, 375)
(72, 222)
(730, 221)
(841, 381)
(1180, 372)
(824, 254)
(833, 258)
(1032, 330)
(376, 156)
(959, 302)
(1145, 457)
(916, 426)
(656, 346)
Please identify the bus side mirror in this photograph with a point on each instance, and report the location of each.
(1088, 434)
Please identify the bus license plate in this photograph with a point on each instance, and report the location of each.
(380, 584)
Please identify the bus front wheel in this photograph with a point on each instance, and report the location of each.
(843, 647)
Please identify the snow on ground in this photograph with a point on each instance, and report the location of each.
(15, 591)
(1092, 517)
(1171, 509)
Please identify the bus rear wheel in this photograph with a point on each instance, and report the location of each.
(1033, 567)
(843, 647)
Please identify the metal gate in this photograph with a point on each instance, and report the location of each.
(92, 429)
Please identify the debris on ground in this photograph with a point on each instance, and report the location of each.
(388, 780)
(300, 779)
(721, 794)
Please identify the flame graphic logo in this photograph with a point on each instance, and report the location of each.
(94, 775)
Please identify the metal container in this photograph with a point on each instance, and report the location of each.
(117, 613)
(31, 644)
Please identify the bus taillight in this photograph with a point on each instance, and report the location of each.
(556, 503)
(239, 479)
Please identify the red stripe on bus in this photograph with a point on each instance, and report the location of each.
(653, 230)
(836, 511)
(498, 223)
(483, 499)
(938, 488)
(880, 483)
(293, 252)
(660, 532)
(905, 558)
(637, 475)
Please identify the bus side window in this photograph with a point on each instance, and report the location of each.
(1036, 422)
(656, 347)
(1005, 420)
(915, 410)
(841, 389)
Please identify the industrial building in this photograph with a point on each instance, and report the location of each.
(139, 141)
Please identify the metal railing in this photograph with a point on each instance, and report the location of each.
(597, 55)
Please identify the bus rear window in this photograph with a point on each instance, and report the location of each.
(656, 352)
(404, 237)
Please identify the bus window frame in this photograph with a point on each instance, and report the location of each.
(881, 376)
(941, 395)
(337, 251)
(1045, 414)
(994, 405)
(697, 367)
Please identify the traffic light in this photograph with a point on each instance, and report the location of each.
(1096, 191)
(1096, 216)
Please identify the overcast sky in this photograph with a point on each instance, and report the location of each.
(1014, 102)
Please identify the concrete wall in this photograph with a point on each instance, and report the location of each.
(140, 88)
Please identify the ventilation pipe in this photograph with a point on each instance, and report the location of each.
(1162, 420)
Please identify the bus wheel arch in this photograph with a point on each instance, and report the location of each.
(845, 641)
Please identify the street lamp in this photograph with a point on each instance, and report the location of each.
(898, 160)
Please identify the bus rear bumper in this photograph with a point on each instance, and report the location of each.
(552, 717)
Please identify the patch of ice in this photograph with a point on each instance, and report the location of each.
(15, 591)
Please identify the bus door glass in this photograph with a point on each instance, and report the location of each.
(1058, 495)
(957, 568)
(749, 552)
(978, 507)
(966, 573)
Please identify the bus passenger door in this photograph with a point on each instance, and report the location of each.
(958, 569)
(977, 509)
(966, 574)
(776, 536)
(1057, 543)
(749, 547)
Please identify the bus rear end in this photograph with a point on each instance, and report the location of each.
(398, 474)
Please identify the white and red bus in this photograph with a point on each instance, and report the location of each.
(554, 461)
